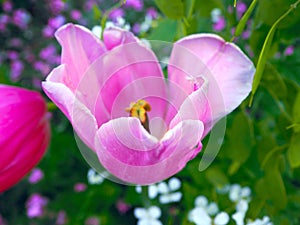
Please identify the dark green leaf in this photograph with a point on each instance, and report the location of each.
(165, 31)
(296, 113)
(264, 53)
(294, 151)
(243, 22)
(240, 141)
(173, 9)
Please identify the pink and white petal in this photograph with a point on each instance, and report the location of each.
(83, 121)
(119, 68)
(80, 48)
(132, 155)
(227, 69)
(195, 107)
(114, 36)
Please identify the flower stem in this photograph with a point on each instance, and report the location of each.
(145, 197)
(107, 12)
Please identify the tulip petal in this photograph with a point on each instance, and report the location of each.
(83, 121)
(131, 154)
(123, 79)
(115, 36)
(80, 48)
(226, 68)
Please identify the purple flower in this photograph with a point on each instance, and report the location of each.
(48, 53)
(35, 176)
(21, 18)
(12, 55)
(122, 206)
(15, 42)
(56, 22)
(48, 32)
(42, 67)
(16, 69)
(152, 12)
(136, 4)
(116, 13)
(61, 218)
(79, 187)
(241, 7)
(220, 24)
(7, 6)
(289, 50)
(4, 19)
(35, 205)
(142, 127)
(76, 15)
(92, 221)
(56, 6)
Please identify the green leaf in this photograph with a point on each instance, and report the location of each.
(293, 152)
(165, 31)
(189, 7)
(265, 50)
(173, 9)
(205, 7)
(243, 22)
(278, 7)
(273, 81)
(240, 141)
(296, 113)
(216, 177)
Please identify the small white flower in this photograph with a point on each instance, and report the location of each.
(152, 191)
(242, 206)
(96, 178)
(97, 30)
(215, 15)
(148, 216)
(221, 219)
(264, 221)
(239, 217)
(166, 191)
(138, 189)
(236, 193)
(170, 197)
(210, 208)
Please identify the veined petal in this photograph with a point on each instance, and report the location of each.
(118, 79)
(226, 68)
(131, 154)
(80, 48)
(83, 121)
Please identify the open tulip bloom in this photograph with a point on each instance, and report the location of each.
(141, 125)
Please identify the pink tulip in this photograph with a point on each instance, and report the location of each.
(98, 83)
(24, 133)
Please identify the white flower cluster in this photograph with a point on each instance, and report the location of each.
(167, 192)
(203, 212)
(206, 213)
(148, 216)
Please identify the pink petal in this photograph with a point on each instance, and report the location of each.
(80, 47)
(136, 74)
(131, 154)
(114, 36)
(223, 65)
(83, 121)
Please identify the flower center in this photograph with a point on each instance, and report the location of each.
(139, 110)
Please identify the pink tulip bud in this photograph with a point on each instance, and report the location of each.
(24, 133)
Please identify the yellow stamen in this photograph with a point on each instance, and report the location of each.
(139, 110)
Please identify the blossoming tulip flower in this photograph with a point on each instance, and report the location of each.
(24, 133)
(143, 127)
